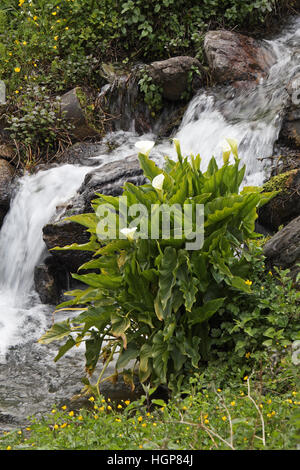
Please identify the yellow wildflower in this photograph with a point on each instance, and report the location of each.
(91, 399)
(55, 426)
(247, 355)
(144, 425)
(140, 418)
(71, 413)
(248, 283)
(232, 403)
(63, 425)
(224, 418)
(17, 69)
(64, 407)
(246, 377)
(8, 448)
(109, 408)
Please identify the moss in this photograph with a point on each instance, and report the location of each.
(279, 182)
(88, 108)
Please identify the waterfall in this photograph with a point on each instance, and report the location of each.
(252, 116)
(22, 246)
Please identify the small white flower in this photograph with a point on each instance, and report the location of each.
(128, 232)
(145, 146)
(225, 146)
(158, 181)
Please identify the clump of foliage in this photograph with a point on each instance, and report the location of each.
(247, 413)
(61, 45)
(151, 301)
(37, 125)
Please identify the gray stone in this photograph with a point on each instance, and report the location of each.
(283, 249)
(173, 76)
(234, 57)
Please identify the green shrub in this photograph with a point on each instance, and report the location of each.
(150, 301)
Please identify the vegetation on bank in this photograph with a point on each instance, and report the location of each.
(214, 412)
(48, 47)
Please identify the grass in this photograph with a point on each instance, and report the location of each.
(246, 414)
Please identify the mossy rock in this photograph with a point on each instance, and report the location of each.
(285, 206)
(77, 109)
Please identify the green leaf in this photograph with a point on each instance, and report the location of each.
(65, 348)
(56, 332)
(126, 356)
(201, 314)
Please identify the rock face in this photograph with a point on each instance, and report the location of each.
(235, 57)
(49, 279)
(6, 178)
(109, 179)
(74, 111)
(283, 249)
(173, 75)
(120, 104)
(285, 206)
(290, 131)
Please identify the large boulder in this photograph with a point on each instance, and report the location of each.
(176, 75)
(283, 249)
(285, 206)
(235, 57)
(6, 178)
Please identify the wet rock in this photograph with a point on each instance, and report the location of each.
(285, 206)
(60, 233)
(7, 173)
(109, 179)
(175, 76)
(283, 249)
(290, 131)
(74, 110)
(6, 151)
(234, 57)
(50, 278)
(121, 104)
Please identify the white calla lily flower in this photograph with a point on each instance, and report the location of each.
(145, 146)
(158, 181)
(225, 146)
(129, 232)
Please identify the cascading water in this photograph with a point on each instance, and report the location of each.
(22, 246)
(251, 117)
